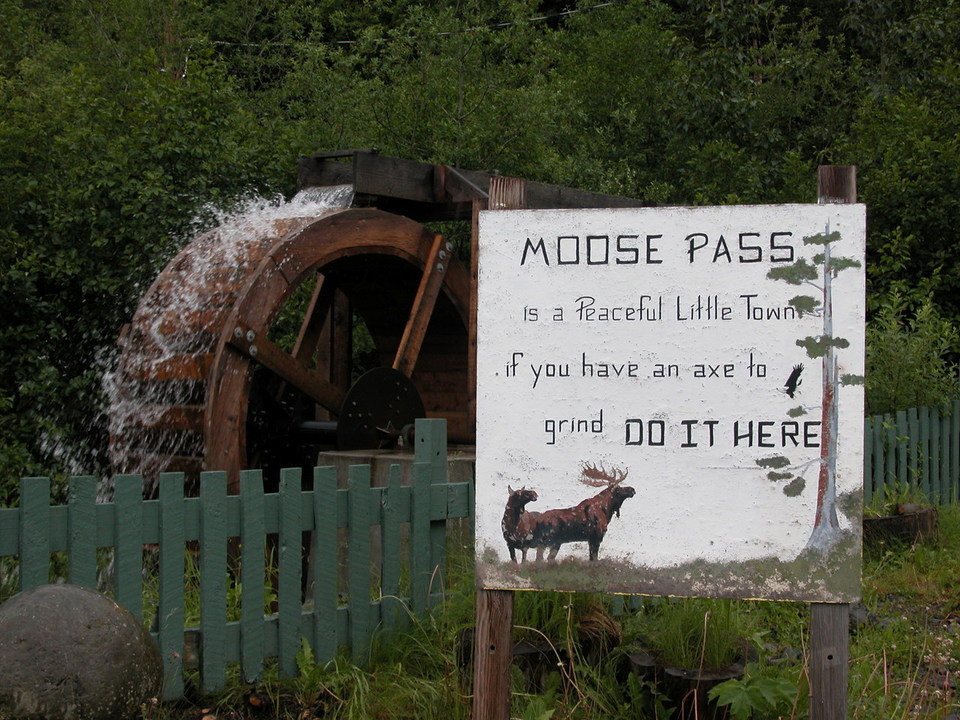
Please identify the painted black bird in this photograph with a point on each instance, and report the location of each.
(793, 382)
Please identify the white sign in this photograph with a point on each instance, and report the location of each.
(670, 400)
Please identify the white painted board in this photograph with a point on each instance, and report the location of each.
(664, 344)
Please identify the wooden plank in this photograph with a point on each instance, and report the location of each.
(314, 320)
(868, 460)
(421, 568)
(493, 654)
(934, 444)
(431, 282)
(476, 207)
(34, 547)
(880, 454)
(265, 352)
(128, 548)
(358, 562)
(493, 651)
(82, 544)
(944, 445)
(830, 623)
(924, 450)
(325, 638)
(170, 610)
(253, 573)
(913, 444)
(893, 450)
(213, 579)
(391, 177)
(291, 544)
(903, 447)
(955, 452)
(392, 607)
(829, 658)
(431, 448)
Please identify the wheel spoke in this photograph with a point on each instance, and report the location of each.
(314, 321)
(434, 271)
(265, 352)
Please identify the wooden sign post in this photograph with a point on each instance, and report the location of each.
(830, 623)
(493, 639)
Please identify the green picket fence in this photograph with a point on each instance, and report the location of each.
(918, 448)
(358, 588)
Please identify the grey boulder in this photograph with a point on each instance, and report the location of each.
(69, 653)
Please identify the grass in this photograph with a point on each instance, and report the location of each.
(904, 653)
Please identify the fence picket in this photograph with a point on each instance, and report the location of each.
(170, 610)
(934, 446)
(902, 445)
(82, 531)
(325, 595)
(213, 579)
(358, 560)
(34, 532)
(879, 456)
(128, 552)
(923, 450)
(252, 568)
(420, 566)
(955, 452)
(289, 585)
(431, 447)
(868, 460)
(391, 539)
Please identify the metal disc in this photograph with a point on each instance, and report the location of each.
(376, 409)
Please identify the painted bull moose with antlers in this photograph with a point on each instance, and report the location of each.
(588, 521)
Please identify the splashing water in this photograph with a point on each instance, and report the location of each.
(156, 393)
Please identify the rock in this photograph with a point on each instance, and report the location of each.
(69, 653)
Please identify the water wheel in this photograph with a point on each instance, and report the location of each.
(239, 354)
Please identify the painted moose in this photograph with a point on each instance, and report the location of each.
(515, 531)
(588, 521)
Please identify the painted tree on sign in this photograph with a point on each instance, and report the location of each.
(820, 275)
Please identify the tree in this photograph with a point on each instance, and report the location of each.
(825, 267)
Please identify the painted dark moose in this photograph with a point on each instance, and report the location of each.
(588, 521)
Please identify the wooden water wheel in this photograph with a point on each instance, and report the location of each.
(210, 379)
(239, 354)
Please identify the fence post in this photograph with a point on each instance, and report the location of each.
(431, 447)
(830, 623)
(493, 640)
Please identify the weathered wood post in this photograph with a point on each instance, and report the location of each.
(830, 622)
(493, 640)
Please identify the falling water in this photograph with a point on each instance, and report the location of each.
(156, 393)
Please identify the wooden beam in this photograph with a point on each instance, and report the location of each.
(260, 349)
(830, 623)
(429, 192)
(434, 271)
(493, 643)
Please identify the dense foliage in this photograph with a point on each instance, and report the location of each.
(123, 121)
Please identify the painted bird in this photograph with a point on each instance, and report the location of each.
(793, 382)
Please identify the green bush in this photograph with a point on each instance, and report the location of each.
(907, 346)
